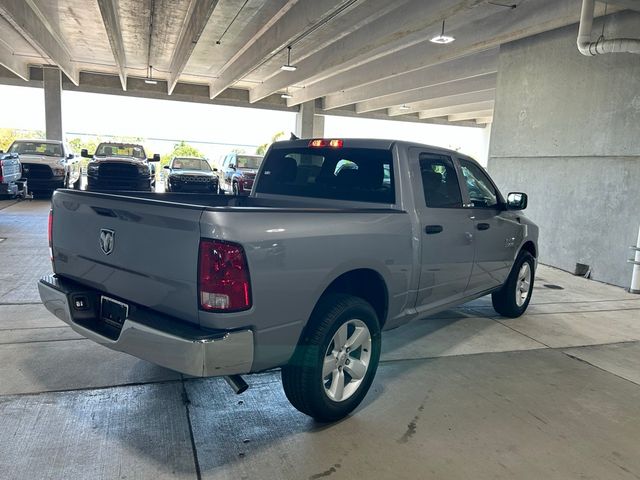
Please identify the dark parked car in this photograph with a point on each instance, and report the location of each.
(238, 173)
(189, 174)
(120, 166)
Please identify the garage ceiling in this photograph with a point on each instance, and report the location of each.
(362, 56)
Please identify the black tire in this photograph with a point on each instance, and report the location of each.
(302, 377)
(235, 189)
(504, 300)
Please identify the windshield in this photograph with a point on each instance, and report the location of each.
(248, 162)
(191, 164)
(37, 148)
(120, 150)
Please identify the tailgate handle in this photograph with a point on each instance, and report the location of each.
(433, 229)
(105, 212)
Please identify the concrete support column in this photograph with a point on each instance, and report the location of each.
(308, 124)
(53, 102)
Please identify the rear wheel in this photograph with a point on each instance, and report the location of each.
(336, 360)
(513, 298)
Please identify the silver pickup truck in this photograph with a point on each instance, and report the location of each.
(339, 240)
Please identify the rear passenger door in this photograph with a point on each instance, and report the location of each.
(496, 236)
(446, 232)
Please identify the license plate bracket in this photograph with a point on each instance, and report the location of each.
(113, 312)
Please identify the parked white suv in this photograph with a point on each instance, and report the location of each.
(47, 164)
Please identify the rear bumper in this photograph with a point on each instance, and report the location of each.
(152, 336)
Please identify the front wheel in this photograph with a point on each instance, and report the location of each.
(235, 189)
(513, 298)
(336, 360)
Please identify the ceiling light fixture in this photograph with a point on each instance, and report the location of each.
(287, 67)
(442, 38)
(286, 95)
(149, 80)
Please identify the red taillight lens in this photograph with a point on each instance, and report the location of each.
(50, 234)
(223, 277)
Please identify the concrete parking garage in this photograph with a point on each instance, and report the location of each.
(462, 394)
(555, 393)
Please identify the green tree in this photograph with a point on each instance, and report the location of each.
(8, 135)
(262, 149)
(181, 149)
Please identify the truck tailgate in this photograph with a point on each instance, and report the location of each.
(154, 251)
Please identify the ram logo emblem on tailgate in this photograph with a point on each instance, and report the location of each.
(106, 240)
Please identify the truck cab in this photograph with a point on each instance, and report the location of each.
(120, 166)
(47, 164)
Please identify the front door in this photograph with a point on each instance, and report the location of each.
(446, 233)
(496, 235)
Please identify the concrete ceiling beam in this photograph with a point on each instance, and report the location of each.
(444, 102)
(504, 25)
(294, 18)
(484, 120)
(458, 87)
(375, 36)
(379, 93)
(459, 117)
(630, 4)
(199, 13)
(453, 110)
(111, 21)
(10, 61)
(31, 23)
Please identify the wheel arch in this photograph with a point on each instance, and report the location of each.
(530, 247)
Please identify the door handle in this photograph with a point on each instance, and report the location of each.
(433, 229)
(483, 226)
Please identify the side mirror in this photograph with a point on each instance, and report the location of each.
(232, 166)
(1, 151)
(70, 156)
(155, 158)
(214, 169)
(167, 167)
(517, 201)
(84, 153)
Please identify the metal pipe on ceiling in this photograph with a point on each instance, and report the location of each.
(602, 45)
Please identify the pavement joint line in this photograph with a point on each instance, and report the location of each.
(194, 448)
(496, 319)
(582, 360)
(13, 304)
(577, 311)
(581, 301)
(43, 341)
(31, 328)
(89, 389)
(382, 362)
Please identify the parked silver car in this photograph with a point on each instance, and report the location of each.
(339, 240)
(47, 164)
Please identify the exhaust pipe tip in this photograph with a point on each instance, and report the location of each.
(237, 383)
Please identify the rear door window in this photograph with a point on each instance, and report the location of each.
(354, 174)
(439, 181)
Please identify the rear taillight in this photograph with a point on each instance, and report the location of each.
(50, 234)
(223, 277)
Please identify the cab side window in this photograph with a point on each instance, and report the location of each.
(439, 181)
(481, 191)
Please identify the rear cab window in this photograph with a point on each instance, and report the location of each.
(351, 174)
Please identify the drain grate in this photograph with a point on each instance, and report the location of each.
(553, 287)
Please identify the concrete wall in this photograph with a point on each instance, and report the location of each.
(566, 130)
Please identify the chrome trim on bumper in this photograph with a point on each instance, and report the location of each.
(229, 354)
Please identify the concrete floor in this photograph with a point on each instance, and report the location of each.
(466, 394)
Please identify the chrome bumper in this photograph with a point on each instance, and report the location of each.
(200, 355)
